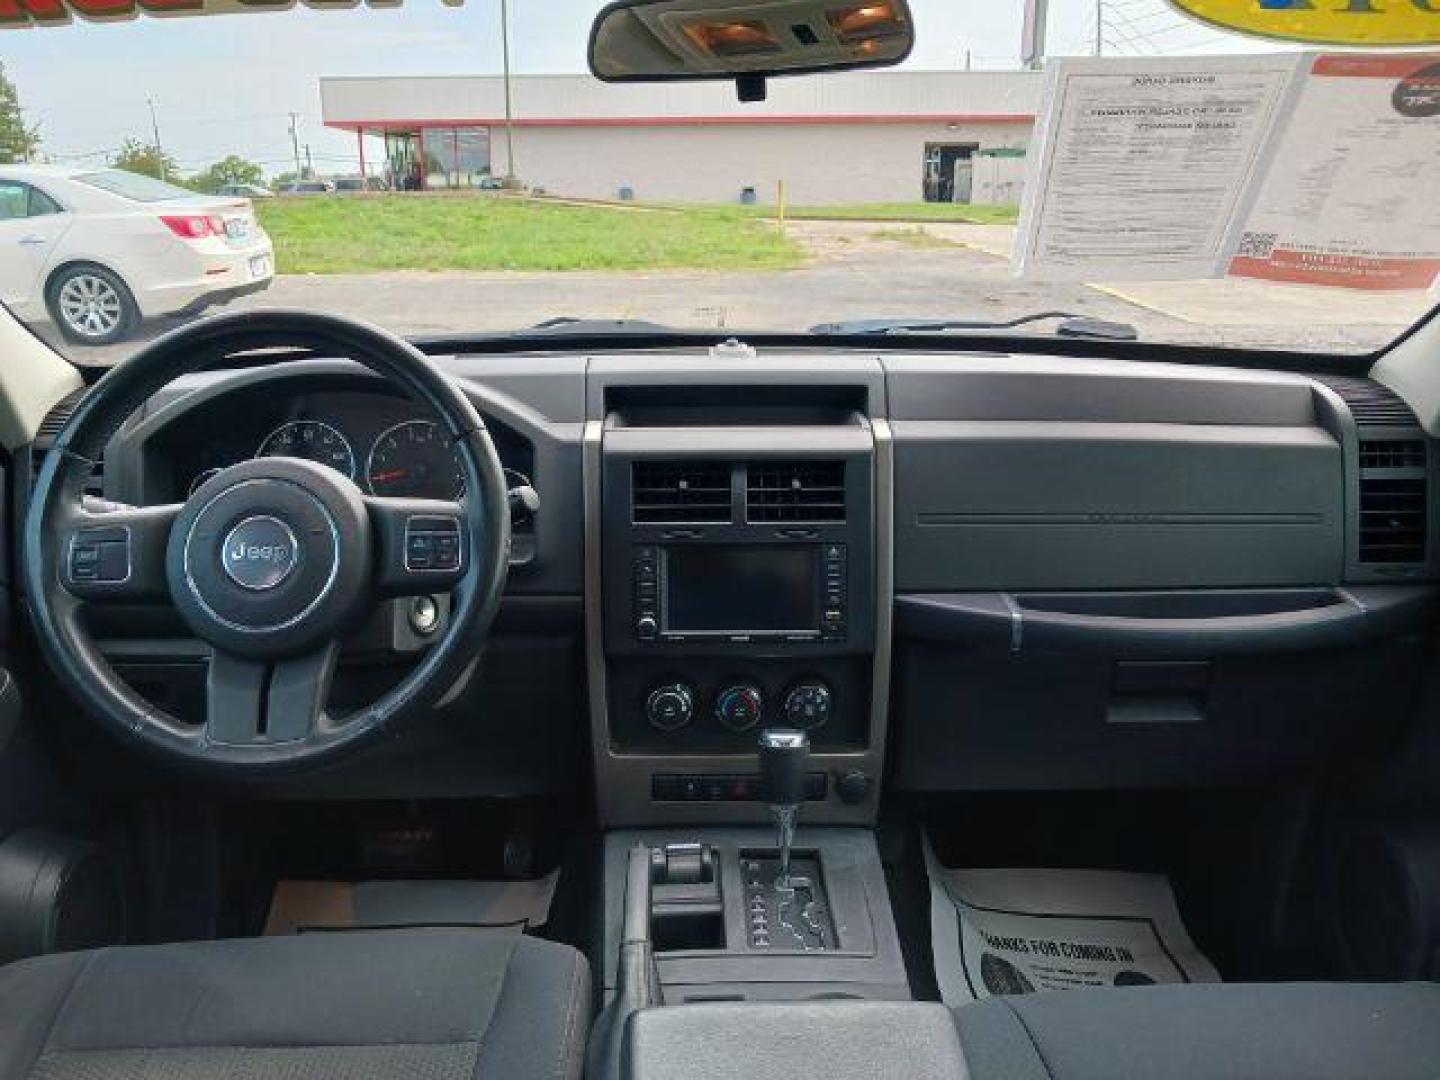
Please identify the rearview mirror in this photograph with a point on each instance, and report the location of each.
(746, 40)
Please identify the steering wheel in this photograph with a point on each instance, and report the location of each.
(271, 562)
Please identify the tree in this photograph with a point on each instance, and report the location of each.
(142, 157)
(18, 140)
(231, 170)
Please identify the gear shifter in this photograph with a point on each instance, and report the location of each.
(784, 754)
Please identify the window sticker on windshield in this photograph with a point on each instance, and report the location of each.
(1142, 165)
(1301, 168)
(1349, 199)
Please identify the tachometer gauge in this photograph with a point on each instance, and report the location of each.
(414, 460)
(312, 440)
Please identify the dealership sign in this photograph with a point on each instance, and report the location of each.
(1325, 22)
(19, 14)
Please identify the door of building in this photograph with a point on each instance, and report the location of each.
(941, 160)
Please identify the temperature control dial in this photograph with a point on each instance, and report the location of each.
(739, 707)
(670, 707)
(808, 705)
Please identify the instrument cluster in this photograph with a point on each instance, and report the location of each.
(376, 441)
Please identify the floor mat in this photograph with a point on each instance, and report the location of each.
(300, 907)
(1022, 931)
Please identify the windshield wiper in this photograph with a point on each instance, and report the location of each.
(1069, 325)
(576, 326)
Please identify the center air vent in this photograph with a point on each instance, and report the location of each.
(1393, 507)
(795, 491)
(680, 492)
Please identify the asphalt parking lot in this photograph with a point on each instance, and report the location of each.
(949, 271)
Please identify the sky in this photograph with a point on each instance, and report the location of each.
(227, 84)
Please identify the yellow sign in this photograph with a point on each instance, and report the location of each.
(1325, 22)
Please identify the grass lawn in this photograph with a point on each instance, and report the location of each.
(916, 211)
(328, 235)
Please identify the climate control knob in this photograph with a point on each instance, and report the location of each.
(740, 707)
(670, 707)
(808, 705)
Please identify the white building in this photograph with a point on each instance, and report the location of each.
(893, 136)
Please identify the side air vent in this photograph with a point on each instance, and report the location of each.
(680, 492)
(56, 417)
(1409, 454)
(50, 427)
(795, 491)
(1394, 511)
(1371, 403)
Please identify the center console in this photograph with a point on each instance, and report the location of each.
(737, 579)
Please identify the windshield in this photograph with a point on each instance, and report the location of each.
(1146, 174)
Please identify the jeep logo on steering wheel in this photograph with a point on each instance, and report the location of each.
(259, 553)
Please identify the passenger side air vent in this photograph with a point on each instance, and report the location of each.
(1409, 454)
(1371, 403)
(795, 491)
(680, 492)
(45, 436)
(1394, 510)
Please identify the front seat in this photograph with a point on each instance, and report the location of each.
(1210, 1031)
(422, 1005)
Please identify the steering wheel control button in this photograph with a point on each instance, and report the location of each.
(432, 542)
(260, 553)
(739, 707)
(809, 705)
(670, 708)
(100, 556)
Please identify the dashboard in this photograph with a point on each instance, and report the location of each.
(958, 572)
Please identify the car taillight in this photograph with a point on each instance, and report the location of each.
(194, 226)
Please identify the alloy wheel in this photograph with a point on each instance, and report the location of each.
(90, 305)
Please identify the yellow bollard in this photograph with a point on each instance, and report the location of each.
(780, 205)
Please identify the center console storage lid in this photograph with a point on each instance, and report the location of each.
(827, 1040)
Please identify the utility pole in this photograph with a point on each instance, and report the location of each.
(1032, 44)
(295, 143)
(1099, 27)
(509, 105)
(309, 165)
(155, 130)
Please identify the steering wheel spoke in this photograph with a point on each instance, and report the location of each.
(267, 703)
(117, 554)
(420, 545)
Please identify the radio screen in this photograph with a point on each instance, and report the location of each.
(724, 589)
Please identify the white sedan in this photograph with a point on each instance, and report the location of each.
(97, 250)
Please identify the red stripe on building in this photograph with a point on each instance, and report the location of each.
(690, 121)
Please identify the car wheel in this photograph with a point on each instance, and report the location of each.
(91, 305)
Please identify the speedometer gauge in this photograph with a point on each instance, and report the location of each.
(414, 460)
(312, 440)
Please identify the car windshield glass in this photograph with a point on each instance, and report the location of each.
(134, 186)
(453, 168)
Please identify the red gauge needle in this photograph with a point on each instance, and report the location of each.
(389, 474)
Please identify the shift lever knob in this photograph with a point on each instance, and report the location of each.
(783, 756)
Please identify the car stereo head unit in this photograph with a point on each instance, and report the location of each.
(741, 592)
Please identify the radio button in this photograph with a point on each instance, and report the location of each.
(647, 626)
